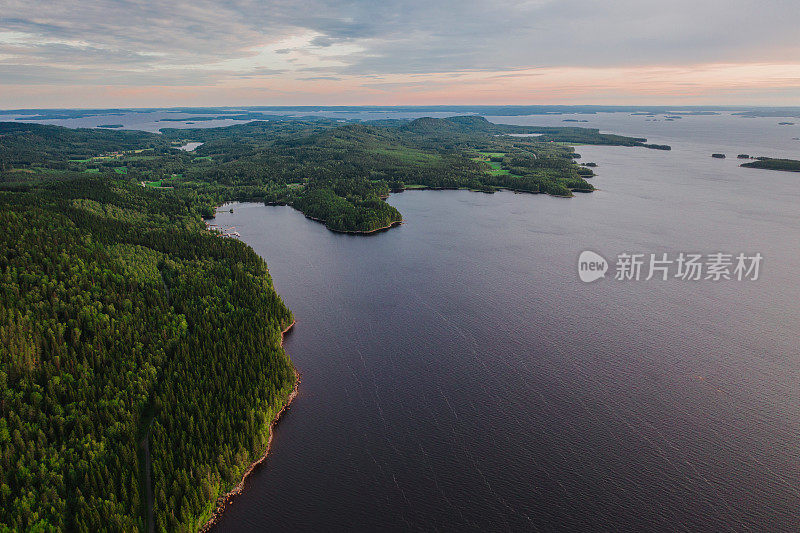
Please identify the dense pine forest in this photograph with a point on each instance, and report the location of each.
(131, 335)
(122, 320)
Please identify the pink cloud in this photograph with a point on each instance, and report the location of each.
(755, 83)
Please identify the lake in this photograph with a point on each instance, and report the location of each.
(457, 375)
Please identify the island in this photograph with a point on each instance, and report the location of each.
(142, 350)
(657, 146)
(769, 163)
(718, 156)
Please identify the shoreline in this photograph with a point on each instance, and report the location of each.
(226, 498)
(353, 232)
(323, 222)
(498, 189)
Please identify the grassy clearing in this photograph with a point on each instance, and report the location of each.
(163, 182)
(500, 172)
(496, 168)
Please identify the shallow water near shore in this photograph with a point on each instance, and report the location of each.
(457, 375)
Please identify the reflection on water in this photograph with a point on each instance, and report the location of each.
(457, 375)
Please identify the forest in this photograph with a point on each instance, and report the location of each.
(123, 319)
(130, 334)
(770, 163)
(337, 173)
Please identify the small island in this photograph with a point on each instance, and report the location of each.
(657, 146)
(718, 156)
(111, 126)
(769, 163)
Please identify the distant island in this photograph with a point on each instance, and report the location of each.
(770, 112)
(111, 126)
(769, 163)
(307, 112)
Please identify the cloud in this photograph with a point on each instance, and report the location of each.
(317, 78)
(322, 41)
(215, 43)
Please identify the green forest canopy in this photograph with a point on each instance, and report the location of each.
(334, 172)
(123, 320)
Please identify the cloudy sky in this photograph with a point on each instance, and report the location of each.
(129, 53)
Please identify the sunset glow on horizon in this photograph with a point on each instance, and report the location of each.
(398, 53)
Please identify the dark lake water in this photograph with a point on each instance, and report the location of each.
(457, 375)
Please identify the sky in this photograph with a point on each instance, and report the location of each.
(137, 53)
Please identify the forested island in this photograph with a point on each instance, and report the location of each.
(771, 163)
(280, 112)
(134, 339)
